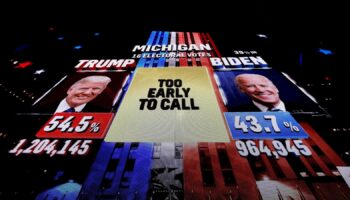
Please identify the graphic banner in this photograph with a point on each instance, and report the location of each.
(169, 105)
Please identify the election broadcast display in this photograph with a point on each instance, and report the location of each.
(175, 120)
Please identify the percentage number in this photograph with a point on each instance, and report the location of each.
(254, 125)
(65, 125)
(251, 123)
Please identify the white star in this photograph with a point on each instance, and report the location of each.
(39, 71)
(262, 35)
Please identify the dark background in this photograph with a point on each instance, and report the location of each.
(49, 37)
(54, 36)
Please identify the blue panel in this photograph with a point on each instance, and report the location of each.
(151, 38)
(141, 175)
(165, 38)
(263, 125)
(156, 42)
(161, 61)
(141, 62)
(93, 181)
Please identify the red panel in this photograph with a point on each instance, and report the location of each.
(243, 174)
(183, 61)
(76, 125)
(193, 183)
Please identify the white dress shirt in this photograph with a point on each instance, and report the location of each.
(263, 108)
(64, 106)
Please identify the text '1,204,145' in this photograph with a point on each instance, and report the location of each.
(52, 147)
